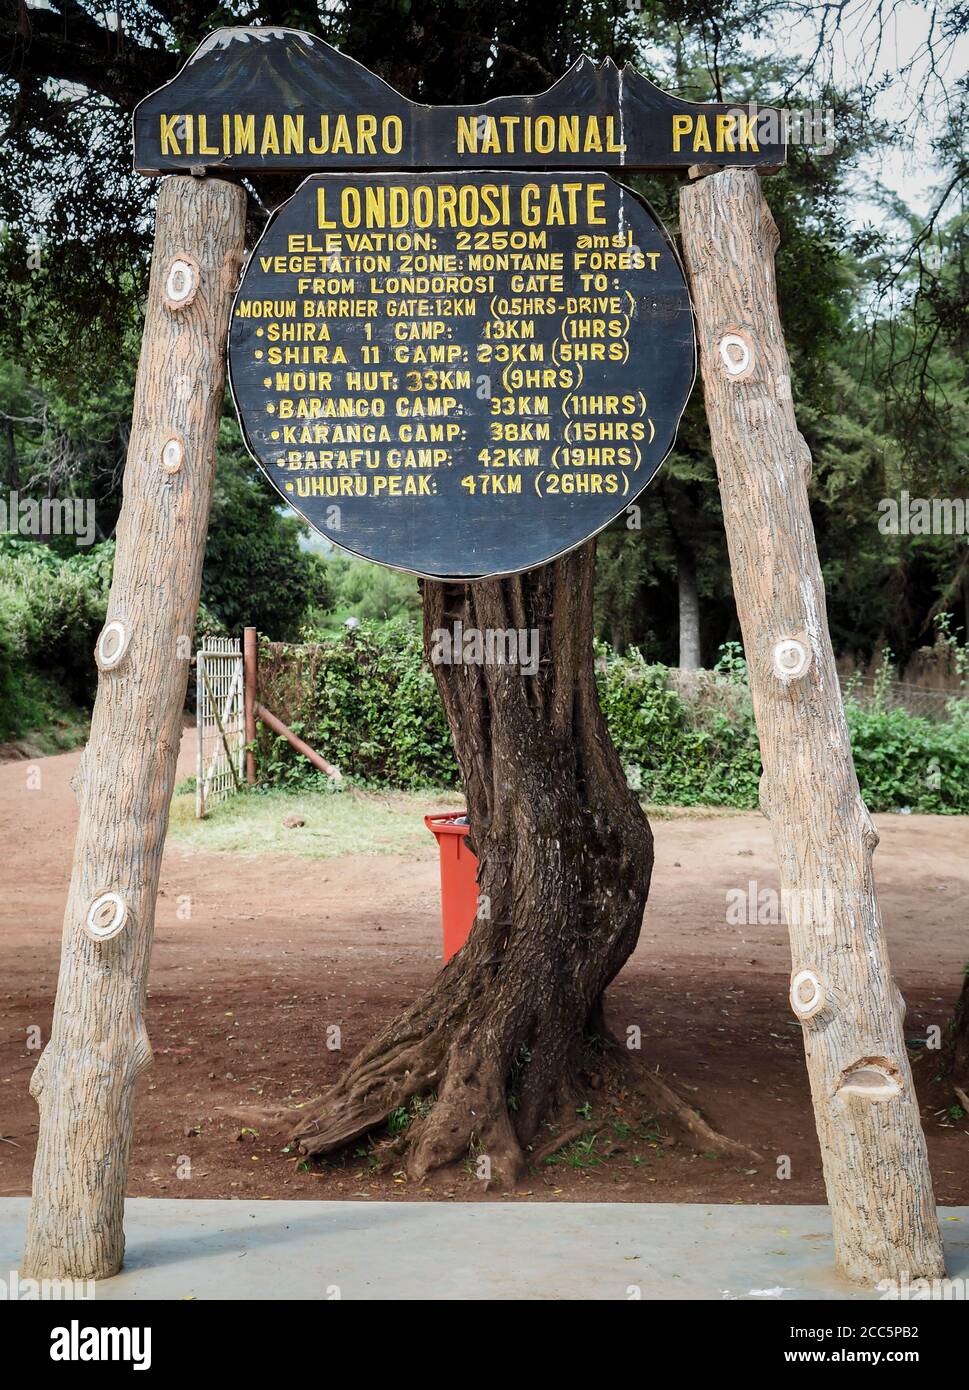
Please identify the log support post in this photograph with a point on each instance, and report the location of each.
(842, 991)
(84, 1082)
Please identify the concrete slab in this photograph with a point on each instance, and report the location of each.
(487, 1250)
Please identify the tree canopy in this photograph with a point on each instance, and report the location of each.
(875, 315)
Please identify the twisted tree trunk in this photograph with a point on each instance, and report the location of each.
(565, 853)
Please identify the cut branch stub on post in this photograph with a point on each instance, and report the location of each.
(872, 1147)
(84, 1082)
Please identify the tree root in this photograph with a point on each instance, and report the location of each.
(686, 1118)
(470, 1116)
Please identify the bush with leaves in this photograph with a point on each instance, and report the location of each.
(367, 701)
(689, 740)
(53, 609)
(363, 699)
(904, 761)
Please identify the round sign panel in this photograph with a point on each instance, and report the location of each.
(462, 374)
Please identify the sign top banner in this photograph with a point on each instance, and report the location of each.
(266, 100)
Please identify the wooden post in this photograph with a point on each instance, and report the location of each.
(250, 659)
(84, 1081)
(273, 722)
(842, 991)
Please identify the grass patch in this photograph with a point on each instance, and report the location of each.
(351, 821)
(629, 1140)
(336, 823)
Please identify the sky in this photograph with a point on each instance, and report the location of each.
(859, 51)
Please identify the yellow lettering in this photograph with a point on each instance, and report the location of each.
(205, 148)
(169, 145)
(292, 135)
(467, 135)
(270, 137)
(244, 134)
(681, 126)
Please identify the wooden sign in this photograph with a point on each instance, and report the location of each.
(461, 375)
(279, 99)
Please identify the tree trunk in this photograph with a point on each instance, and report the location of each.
(565, 859)
(690, 657)
(13, 466)
(957, 1046)
(872, 1146)
(84, 1081)
(565, 855)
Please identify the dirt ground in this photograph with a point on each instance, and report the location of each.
(278, 949)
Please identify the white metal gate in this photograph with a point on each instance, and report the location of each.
(220, 722)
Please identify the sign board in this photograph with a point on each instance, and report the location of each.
(461, 348)
(278, 99)
(461, 374)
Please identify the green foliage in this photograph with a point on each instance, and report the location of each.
(365, 591)
(256, 571)
(51, 610)
(367, 702)
(904, 761)
(690, 746)
(52, 606)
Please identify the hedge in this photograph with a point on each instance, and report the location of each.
(367, 701)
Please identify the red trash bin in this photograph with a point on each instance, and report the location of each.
(459, 878)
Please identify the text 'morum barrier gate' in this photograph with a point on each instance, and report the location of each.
(462, 317)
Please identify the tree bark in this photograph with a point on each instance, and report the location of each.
(689, 600)
(84, 1082)
(13, 466)
(565, 858)
(957, 1046)
(872, 1147)
(503, 1042)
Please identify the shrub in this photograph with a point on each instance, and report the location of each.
(51, 610)
(367, 702)
(903, 760)
(687, 744)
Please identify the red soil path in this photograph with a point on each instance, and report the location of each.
(279, 948)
